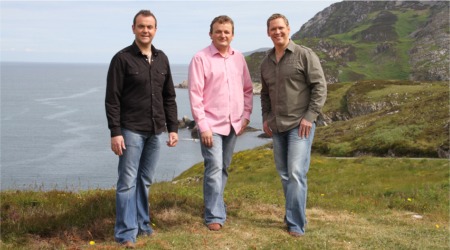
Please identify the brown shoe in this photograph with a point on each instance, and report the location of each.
(147, 234)
(214, 226)
(128, 245)
(295, 234)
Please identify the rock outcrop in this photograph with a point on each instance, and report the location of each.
(368, 40)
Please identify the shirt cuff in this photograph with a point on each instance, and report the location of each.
(115, 132)
(310, 116)
(246, 115)
(203, 126)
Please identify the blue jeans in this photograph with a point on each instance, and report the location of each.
(292, 157)
(217, 159)
(136, 173)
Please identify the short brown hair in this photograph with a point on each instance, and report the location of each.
(221, 19)
(145, 13)
(276, 16)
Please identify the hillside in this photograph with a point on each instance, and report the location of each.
(384, 40)
(385, 118)
(360, 203)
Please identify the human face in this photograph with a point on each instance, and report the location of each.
(144, 30)
(279, 32)
(222, 35)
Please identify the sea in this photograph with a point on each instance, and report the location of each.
(54, 133)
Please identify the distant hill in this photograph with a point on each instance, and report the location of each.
(254, 51)
(384, 40)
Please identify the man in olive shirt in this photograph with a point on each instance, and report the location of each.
(293, 93)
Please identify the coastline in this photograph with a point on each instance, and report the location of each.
(256, 86)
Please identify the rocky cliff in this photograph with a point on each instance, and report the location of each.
(385, 118)
(363, 40)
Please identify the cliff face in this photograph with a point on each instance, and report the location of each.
(361, 40)
(429, 55)
(345, 16)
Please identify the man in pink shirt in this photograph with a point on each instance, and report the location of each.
(221, 97)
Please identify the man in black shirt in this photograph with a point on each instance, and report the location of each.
(140, 105)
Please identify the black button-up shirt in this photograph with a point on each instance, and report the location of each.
(140, 96)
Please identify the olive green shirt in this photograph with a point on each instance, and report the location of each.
(292, 89)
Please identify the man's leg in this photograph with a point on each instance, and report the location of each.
(212, 182)
(126, 222)
(298, 161)
(147, 167)
(228, 144)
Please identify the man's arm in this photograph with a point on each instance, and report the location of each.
(196, 85)
(318, 84)
(114, 85)
(248, 97)
(265, 104)
(169, 101)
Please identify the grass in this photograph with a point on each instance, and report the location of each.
(412, 122)
(357, 203)
(390, 64)
(409, 20)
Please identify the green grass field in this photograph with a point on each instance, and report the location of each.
(353, 203)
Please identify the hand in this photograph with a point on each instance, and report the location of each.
(207, 138)
(118, 145)
(266, 129)
(304, 129)
(245, 123)
(173, 139)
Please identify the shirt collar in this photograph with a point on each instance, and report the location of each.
(137, 51)
(290, 47)
(214, 50)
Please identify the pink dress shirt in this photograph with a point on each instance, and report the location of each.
(220, 90)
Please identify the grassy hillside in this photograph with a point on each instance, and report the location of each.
(386, 57)
(386, 118)
(361, 203)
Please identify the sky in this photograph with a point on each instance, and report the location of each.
(93, 31)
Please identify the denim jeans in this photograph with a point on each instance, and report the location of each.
(217, 160)
(292, 158)
(136, 173)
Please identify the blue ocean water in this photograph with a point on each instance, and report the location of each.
(54, 132)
